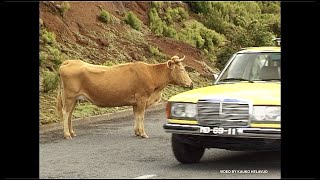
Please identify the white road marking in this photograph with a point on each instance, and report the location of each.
(147, 176)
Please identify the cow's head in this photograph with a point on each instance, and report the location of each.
(178, 74)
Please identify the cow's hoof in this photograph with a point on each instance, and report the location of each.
(73, 134)
(144, 136)
(67, 136)
(136, 132)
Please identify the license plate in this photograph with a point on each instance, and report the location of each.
(218, 130)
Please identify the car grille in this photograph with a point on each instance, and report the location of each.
(223, 113)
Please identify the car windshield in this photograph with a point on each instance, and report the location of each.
(253, 67)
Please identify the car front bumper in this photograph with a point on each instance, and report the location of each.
(246, 132)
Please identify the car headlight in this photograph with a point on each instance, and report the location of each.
(183, 110)
(266, 113)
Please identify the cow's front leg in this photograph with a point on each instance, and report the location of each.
(136, 126)
(72, 133)
(143, 133)
(139, 111)
(139, 128)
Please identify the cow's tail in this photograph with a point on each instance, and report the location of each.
(59, 99)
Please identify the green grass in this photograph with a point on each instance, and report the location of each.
(87, 109)
(48, 112)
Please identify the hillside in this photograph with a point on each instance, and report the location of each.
(110, 33)
(80, 26)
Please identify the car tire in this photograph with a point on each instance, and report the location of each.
(185, 153)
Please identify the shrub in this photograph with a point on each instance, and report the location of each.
(169, 32)
(260, 35)
(105, 16)
(50, 80)
(272, 7)
(198, 41)
(168, 19)
(216, 22)
(133, 21)
(196, 34)
(183, 13)
(185, 35)
(48, 37)
(56, 56)
(174, 13)
(273, 21)
(156, 24)
(200, 7)
(155, 52)
(42, 57)
(156, 4)
(64, 7)
(211, 37)
(153, 15)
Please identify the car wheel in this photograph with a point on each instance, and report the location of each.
(185, 153)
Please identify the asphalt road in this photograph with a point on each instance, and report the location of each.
(109, 149)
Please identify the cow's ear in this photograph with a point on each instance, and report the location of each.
(170, 64)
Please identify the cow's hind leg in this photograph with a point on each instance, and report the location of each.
(72, 133)
(67, 112)
(136, 122)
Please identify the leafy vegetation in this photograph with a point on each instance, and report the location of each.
(169, 31)
(133, 21)
(196, 34)
(176, 15)
(50, 80)
(243, 24)
(105, 16)
(47, 37)
(50, 56)
(65, 6)
(156, 53)
(156, 24)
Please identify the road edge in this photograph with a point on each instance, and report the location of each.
(105, 117)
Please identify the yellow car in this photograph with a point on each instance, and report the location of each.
(241, 111)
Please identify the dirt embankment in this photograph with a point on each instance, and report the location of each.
(80, 25)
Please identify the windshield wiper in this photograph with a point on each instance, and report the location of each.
(236, 79)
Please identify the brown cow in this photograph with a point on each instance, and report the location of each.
(133, 84)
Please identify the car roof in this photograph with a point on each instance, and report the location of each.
(260, 49)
